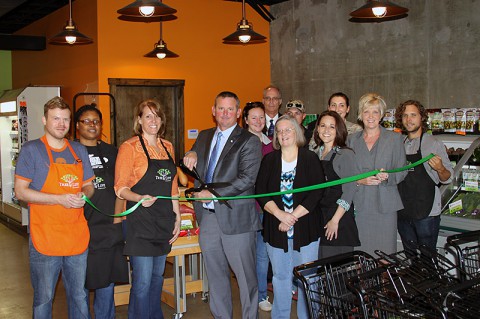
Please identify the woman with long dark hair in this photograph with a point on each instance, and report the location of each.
(339, 230)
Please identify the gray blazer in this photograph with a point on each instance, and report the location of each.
(238, 164)
(389, 154)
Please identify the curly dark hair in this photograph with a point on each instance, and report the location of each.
(401, 109)
(86, 108)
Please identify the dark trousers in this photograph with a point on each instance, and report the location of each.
(419, 232)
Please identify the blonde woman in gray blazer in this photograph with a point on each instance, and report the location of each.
(377, 199)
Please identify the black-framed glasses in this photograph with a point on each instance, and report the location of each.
(90, 122)
(297, 105)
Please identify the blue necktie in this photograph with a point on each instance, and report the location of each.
(213, 159)
(270, 129)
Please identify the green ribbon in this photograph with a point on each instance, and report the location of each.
(298, 190)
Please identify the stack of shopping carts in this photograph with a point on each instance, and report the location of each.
(407, 284)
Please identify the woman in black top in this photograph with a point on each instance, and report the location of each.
(339, 231)
(106, 263)
(291, 224)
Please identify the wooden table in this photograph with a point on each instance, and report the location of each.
(175, 289)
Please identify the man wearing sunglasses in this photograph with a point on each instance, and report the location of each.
(296, 109)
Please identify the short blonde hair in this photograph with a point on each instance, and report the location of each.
(299, 136)
(371, 100)
(56, 102)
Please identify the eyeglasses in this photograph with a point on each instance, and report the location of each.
(90, 122)
(268, 98)
(285, 131)
(297, 105)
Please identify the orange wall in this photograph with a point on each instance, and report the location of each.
(206, 64)
(74, 68)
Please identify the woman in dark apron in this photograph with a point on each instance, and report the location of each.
(145, 169)
(106, 263)
(340, 232)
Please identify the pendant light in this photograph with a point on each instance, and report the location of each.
(146, 8)
(160, 48)
(244, 34)
(70, 34)
(378, 10)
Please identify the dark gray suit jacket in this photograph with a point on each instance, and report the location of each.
(238, 164)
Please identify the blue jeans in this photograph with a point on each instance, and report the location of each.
(103, 302)
(262, 265)
(146, 290)
(44, 272)
(282, 267)
(419, 232)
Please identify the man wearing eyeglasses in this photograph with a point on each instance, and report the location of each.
(105, 262)
(52, 175)
(272, 100)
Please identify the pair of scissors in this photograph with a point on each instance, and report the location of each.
(208, 186)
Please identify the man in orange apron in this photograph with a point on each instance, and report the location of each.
(52, 175)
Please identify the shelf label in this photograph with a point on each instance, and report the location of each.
(456, 206)
(471, 186)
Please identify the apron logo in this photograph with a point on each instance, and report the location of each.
(69, 180)
(98, 183)
(164, 174)
(410, 169)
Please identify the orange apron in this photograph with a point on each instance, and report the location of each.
(54, 229)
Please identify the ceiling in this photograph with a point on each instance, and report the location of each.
(16, 14)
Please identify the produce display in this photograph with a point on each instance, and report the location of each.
(470, 206)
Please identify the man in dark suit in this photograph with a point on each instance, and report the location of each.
(228, 153)
(272, 100)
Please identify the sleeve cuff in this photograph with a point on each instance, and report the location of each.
(343, 203)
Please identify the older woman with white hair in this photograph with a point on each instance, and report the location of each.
(291, 222)
(377, 199)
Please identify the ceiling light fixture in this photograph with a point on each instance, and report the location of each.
(169, 17)
(70, 34)
(146, 8)
(244, 34)
(160, 48)
(378, 10)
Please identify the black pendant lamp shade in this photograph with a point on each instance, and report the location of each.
(169, 17)
(70, 34)
(160, 49)
(146, 8)
(379, 10)
(244, 34)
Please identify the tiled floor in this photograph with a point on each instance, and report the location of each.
(16, 292)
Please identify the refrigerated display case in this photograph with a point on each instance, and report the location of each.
(461, 198)
(21, 111)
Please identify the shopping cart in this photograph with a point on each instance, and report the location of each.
(467, 247)
(325, 284)
(383, 294)
(424, 279)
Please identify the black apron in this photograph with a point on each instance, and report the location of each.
(417, 190)
(347, 228)
(150, 228)
(105, 262)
